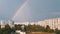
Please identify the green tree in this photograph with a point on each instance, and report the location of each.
(7, 29)
(35, 28)
(57, 31)
(47, 28)
(17, 27)
(0, 30)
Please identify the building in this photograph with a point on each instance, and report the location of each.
(5, 22)
(2, 23)
(20, 32)
(21, 23)
(10, 23)
(53, 23)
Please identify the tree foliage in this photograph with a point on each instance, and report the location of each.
(27, 28)
(35, 28)
(48, 29)
(6, 30)
(57, 31)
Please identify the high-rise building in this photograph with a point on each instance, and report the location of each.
(2, 23)
(5, 22)
(10, 23)
(53, 23)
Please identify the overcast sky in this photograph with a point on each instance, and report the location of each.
(35, 10)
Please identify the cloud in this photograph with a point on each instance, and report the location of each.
(55, 13)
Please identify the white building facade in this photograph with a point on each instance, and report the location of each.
(5, 22)
(53, 23)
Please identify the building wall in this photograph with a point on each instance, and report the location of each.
(2, 23)
(53, 23)
(5, 22)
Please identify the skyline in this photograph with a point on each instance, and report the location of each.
(34, 10)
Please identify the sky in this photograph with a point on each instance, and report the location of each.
(34, 10)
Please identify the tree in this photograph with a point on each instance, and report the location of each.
(47, 28)
(57, 31)
(17, 27)
(7, 29)
(35, 28)
(0, 30)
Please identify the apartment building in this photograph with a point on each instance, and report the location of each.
(53, 23)
(5, 22)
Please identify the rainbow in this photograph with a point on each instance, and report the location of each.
(20, 9)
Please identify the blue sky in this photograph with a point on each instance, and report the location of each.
(35, 10)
